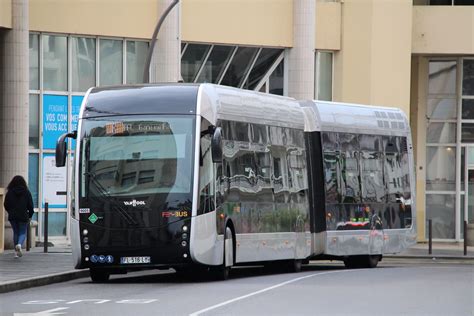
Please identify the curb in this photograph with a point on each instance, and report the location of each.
(431, 257)
(16, 285)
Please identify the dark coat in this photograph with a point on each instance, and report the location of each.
(19, 204)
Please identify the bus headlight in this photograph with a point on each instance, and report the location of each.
(185, 228)
(85, 232)
(184, 236)
(184, 243)
(86, 247)
(85, 240)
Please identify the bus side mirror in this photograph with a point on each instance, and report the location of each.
(61, 150)
(216, 145)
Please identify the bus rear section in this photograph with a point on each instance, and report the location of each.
(362, 182)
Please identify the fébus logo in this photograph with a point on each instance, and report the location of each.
(134, 203)
(175, 214)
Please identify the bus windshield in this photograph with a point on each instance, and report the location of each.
(133, 156)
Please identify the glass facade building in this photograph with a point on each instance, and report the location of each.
(450, 146)
(62, 68)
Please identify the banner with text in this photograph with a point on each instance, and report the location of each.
(54, 181)
(54, 119)
(76, 107)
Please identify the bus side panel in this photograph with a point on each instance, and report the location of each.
(76, 243)
(347, 243)
(205, 245)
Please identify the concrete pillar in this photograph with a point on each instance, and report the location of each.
(14, 85)
(166, 60)
(301, 56)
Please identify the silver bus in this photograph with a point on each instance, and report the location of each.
(208, 177)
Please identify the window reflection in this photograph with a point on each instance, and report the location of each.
(54, 62)
(83, 63)
(34, 62)
(467, 132)
(111, 61)
(34, 121)
(192, 60)
(369, 176)
(441, 132)
(440, 209)
(266, 177)
(468, 77)
(276, 80)
(265, 60)
(136, 56)
(215, 64)
(468, 109)
(442, 77)
(239, 66)
(442, 109)
(440, 171)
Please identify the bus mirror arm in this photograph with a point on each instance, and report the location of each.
(61, 149)
(216, 145)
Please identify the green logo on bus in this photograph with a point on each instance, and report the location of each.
(93, 218)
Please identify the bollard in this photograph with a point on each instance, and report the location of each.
(430, 237)
(45, 246)
(465, 238)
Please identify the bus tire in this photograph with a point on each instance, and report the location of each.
(362, 262)
(373, 260)
(99, 276)
(294, 266)
(352, 262)
(223, 272)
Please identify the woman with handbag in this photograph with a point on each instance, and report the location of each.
(19, 206)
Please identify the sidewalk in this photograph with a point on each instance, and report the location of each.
(37, 268)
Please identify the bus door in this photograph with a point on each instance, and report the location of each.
(376, 237)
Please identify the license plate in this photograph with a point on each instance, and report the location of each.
(134, 260)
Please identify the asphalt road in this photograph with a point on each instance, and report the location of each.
(396, 287)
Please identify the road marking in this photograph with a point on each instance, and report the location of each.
(44, 313)
(262, 291)
(89, 300)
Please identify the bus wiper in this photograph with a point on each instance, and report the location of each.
(106, 194)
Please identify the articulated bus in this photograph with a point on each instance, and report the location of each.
(208, 177)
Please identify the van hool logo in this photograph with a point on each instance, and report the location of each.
(134, 203)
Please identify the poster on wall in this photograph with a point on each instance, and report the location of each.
(54, 119)
(76, 107)
(54, 180)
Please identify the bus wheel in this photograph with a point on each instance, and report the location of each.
(352, 262)
(372, 261)
(99, 276)
(223, 272)
(294, 266)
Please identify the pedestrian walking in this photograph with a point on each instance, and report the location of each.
(19, 206)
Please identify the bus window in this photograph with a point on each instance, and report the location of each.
(349, 160)
(206, 177)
